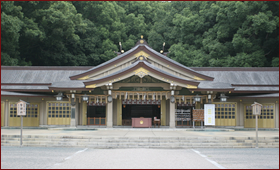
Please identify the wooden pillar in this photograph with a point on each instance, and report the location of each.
(109, 114)
(172, 115)
(73, 115)
(163, 112)
(119, 112)
(84, 112)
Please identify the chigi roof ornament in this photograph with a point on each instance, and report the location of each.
(121, 50)
(161, 51)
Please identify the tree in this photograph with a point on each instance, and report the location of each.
(196, 33)
(53, 39)
(11, 25)
(227, 34)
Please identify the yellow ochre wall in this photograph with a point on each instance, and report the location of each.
(31, 118)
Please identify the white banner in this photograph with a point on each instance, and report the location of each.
(209, 114)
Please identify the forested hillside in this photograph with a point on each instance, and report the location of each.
(86, 33)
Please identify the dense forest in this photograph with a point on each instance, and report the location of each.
(86, 33)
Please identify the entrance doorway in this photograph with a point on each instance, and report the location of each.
(96, 115)
(136, 111)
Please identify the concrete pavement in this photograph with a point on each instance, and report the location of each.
(87, 158)
(141, 132)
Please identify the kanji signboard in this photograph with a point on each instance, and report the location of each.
(21, 108)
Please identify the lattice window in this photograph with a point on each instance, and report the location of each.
(31, 110)
(225, 110)
(13, 110)
(266, 113)
(59, 109)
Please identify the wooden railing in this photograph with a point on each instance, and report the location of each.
(96, 120)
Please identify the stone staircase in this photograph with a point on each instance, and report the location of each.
(139, 142)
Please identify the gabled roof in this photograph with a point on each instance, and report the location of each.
(105, 64)
(142, 46)
(178, 65)
(141, 64)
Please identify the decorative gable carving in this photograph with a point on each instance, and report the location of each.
(141, 53)
(141, 72)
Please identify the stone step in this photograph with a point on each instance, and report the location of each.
(145, 141)
(139, 142)
(10, 140)
(72, 143)
(146, 146)
(138, 138)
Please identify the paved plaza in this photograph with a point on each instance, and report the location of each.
(87, 158)
(139, 158)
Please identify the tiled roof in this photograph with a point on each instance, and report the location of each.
(135, 64)
(24, 87)
(245, 80)
(36, 76)
(7, 93)
(175, 62)
(109, 61)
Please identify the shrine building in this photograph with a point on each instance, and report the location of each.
(138, 83)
